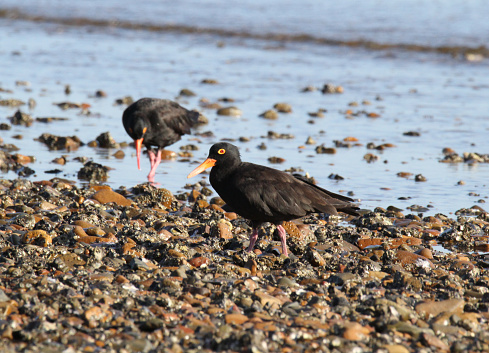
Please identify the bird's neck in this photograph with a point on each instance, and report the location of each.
(222, 171)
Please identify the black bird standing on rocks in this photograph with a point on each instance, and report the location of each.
(263, 194)
(156, 122)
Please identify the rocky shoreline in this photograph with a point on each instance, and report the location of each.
(141, 270)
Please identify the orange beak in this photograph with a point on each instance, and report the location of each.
(138, 143)
(209, 162)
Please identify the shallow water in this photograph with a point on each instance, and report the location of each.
(442, 97)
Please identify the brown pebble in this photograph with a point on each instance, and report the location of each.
(283, 107)
(79, 231)
(223, 230)
(121, 279)
(353, 331)
(22, 159)
(426, 253)
(105, 196)
(168, 155)
(95, 231)
(119, 154)
(408, 258)
(83, 224)
(229, 111)
(37, 237)
(231, 215)
(236, 319)
(434, 308)
(199, 261)
(269, 114)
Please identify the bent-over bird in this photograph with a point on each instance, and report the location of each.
(263, 194)
(156, 122)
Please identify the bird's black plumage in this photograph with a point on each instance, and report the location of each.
(156, 122)
(263, 194)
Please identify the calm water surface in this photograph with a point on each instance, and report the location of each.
(444, 98)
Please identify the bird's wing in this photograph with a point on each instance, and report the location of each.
(273, 193)
(177, 118)
(281, 195)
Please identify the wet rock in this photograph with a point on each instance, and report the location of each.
(185, 92)
(420, 177)
(60, 142)
(327, 150)
(276, 160)
(229, 111)
(370, 157)
(276, 135)
(20, 118)
(209, 81)
(283, 107)
(93, 172)
(270, 115)
(11, 102)
(105, 140)
(329, 88)
(124, 101)
(310, 141)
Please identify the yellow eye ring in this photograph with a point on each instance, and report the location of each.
(221, 151)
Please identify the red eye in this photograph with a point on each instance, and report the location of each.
(221, 151)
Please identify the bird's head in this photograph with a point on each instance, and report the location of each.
(220, 154)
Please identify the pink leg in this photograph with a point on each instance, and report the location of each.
(155, 161)
(282, 234)
(253, 238)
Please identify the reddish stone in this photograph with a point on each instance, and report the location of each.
(199, 261)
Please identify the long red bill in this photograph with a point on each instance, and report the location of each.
(209, 162)
(138, 143)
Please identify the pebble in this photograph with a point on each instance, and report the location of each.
(134, 276)
(107, 195)
(270, 114)
(229, 111)
(434, 308)
(283, 107)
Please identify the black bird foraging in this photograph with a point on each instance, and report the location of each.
(156, 122)
(263, 194)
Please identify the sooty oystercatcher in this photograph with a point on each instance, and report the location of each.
(263, 194)
(156, 122)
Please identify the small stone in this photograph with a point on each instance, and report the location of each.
(396, 348)
(185, 92)
(119, 154)
(310, 141)
(236, 319)
(37, 237)
(270, 115)
(327, 150)
(434, 308)
(229, 111)
(105, 140)
(276, 160)
(353, 331)
(20, 118)
(283, 107)
(209, 81)
(315, 259)
(199, 261)
(107, 195)
(420, 177)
